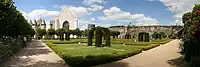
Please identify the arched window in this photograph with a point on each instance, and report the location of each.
(66, 25)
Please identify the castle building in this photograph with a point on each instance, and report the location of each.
(40, 23)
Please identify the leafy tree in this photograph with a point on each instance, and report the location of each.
(60, 33)
(78, 32)
(51, 32)
(12, 21)
(41, 32)
(190, 34)
(115, 33)
(67, 33)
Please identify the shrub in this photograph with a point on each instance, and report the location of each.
(10, 47)
(90, 37)
(143, 36)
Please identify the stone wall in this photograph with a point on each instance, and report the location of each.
(136, 29)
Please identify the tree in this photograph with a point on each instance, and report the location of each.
(13, 23)
(41, 32)
(51, 32)
(190, 34)
(78, 32)
(67, 34)
(60, 32)
(115, 33)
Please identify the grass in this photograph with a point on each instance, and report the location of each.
(81, 55)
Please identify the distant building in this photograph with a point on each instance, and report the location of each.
(40, 23)
(66, 19)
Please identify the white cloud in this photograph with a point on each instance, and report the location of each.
(95, 7)
(83, 24)
(25, 15)
(92, 19)
(179, 7)
(151, 0)
(36, 14)
(117, 14)
(89, 2)
(79, 11)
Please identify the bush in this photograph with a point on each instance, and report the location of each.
(10, 47)
(143, 36)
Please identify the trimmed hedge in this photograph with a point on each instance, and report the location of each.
(64, 42)
(92, 60)
(143, 36)
(145, 48)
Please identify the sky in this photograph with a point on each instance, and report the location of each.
(110, 12)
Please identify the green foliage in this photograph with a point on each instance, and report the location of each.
(90, 37)
(115, 33)
(60, 33)
(190, 34)
(10, 47)
(84, 56)
(51, 32)
(143, 36)
(98, 36)
(13, 28)
(84, 32)
(146, 39)
(107, 33)
(41, 32)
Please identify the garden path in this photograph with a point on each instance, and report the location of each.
(36, 54)
(163, 56)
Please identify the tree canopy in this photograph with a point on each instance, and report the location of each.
(190, 33)
(12, 21)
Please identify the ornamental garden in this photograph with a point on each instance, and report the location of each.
(97, 45)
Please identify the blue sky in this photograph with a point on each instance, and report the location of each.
(110, 12)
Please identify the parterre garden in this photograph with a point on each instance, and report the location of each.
(76, 53)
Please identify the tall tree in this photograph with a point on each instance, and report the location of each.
(190, 34)
(41, 32)
(51, 32)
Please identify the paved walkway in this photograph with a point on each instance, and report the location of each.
(36, 54)
(163, 56)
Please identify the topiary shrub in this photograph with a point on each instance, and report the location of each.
(98, 36)
(143, 36)
(107, 34)
(146, 37)
(90, 37)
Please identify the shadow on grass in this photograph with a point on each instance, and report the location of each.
(177, 62)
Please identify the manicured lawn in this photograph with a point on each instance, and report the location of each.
(81, 55)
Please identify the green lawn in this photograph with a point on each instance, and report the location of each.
(81, 55)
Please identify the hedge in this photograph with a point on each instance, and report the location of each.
(92, 60)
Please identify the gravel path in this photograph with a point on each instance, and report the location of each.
(163, 56)
(36, 54)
